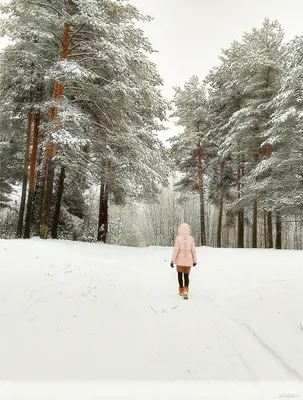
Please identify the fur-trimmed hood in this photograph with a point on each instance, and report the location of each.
(184, 230)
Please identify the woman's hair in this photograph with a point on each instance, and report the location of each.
(184, 229)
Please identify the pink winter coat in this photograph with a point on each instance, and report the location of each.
(185, 250)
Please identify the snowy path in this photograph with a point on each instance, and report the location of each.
(73, 311)
(255, 357)
(230, 345)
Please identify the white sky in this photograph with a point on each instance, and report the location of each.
(189, 34)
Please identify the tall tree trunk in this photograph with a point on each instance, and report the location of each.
(25, 174)
(268, 150)
(32, 178)
(240, 229)
(48, 171)
(255, 208)
(39, 192)
(37, 197)
(47, 200)
(51, 150)
(255, 225)
(219, 229)
(201, 195)
(240, 213)
(103, 214)
(265, 229)
(270, 242)
(54, 233)
(296, 244)
(278, 231)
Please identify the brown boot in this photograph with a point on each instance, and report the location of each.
(185, 293)
(181, 290)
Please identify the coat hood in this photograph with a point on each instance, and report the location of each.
(184, 230)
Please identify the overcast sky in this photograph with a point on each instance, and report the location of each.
(189, 34)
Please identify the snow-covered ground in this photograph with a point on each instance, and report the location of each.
(100, 317)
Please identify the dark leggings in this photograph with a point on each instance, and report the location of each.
(180, 279)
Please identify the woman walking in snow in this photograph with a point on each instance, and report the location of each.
(184, 256)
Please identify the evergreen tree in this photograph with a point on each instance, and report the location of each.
(279, 179)
(259, 77)
(192, 149)
(99, 90)
(243, 88)
(225, 101)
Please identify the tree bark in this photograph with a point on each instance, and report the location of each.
(255, 225)
(265, 230)
(278, 231)
(103, 214)
(48, 171)
(51, 150)
(47, 201)
(39, 192)
(240, 229)
(240, 213)
(219, 229)
(270, 242)
(25, 175)
(32, 178)
(268, 150)
(56, 216)
(201, 195)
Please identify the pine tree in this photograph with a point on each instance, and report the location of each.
(259, 79)
(98, 86)
(226, 99)
(279, 177)
(243, 88)
(192, 149)
(11, 152)
(25, 63)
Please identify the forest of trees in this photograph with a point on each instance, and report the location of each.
(81, 116)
